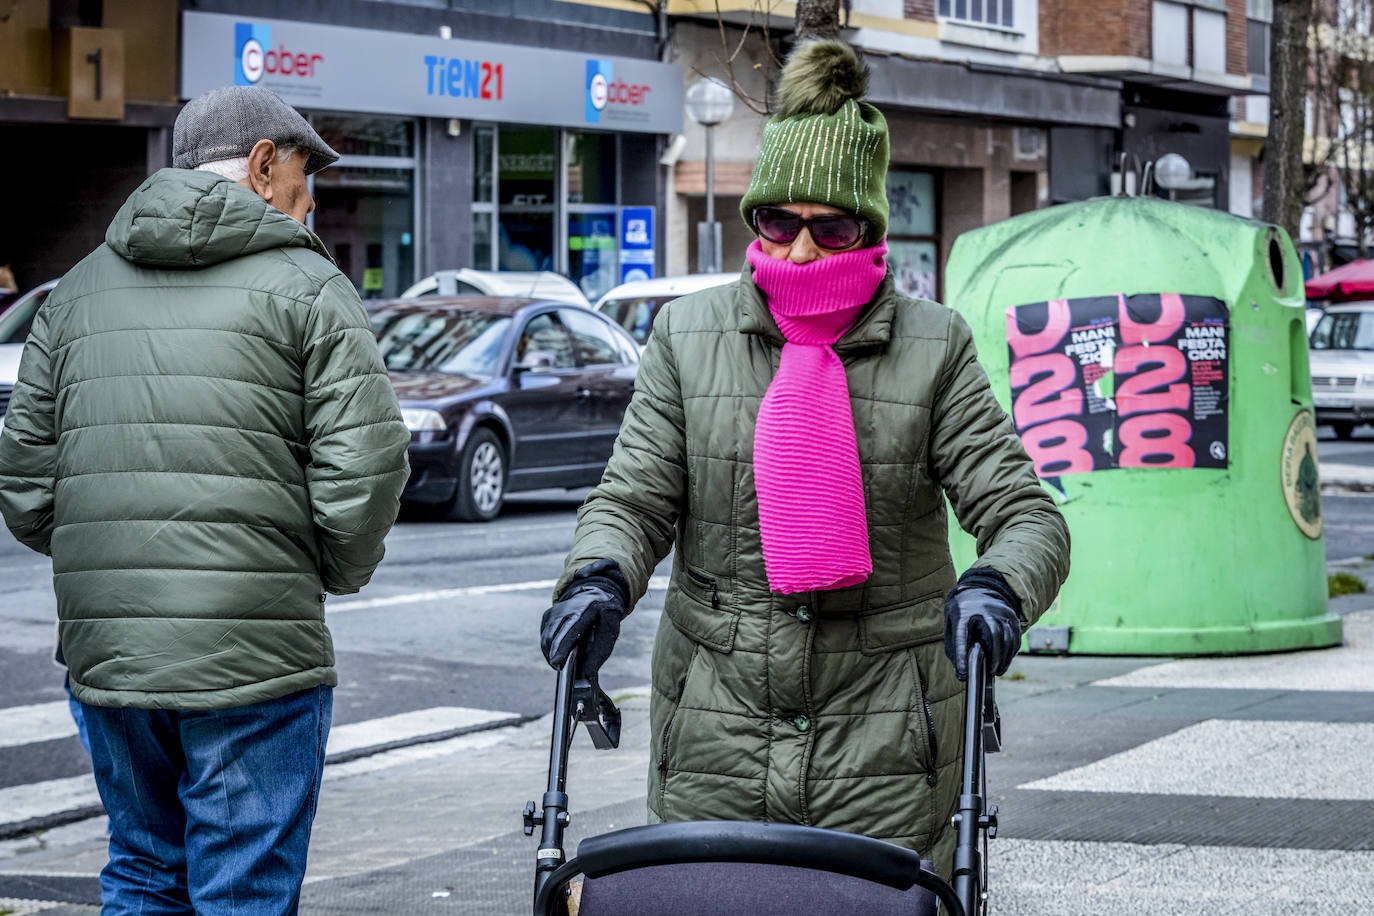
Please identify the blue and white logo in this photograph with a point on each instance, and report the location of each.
(599, 75)
(250, 48)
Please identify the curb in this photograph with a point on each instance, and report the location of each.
(17, 829)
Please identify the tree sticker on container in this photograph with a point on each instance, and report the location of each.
(1120, 382)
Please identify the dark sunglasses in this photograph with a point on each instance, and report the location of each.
(831, 231)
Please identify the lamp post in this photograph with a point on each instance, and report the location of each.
(709, 101)
(1173, 172)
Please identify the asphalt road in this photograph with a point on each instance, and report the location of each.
(430, 632)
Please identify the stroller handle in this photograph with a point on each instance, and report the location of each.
(581, 700)
(761, 844)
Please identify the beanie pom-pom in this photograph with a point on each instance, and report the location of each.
(819, 78)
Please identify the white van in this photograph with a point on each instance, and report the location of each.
(633, 305)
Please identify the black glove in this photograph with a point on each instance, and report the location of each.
(982, 607)
(588, 611)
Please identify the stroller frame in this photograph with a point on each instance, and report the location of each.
(581, 699)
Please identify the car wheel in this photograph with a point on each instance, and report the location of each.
(481, 479)
(1344, 429)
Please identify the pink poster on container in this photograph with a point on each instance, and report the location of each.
(1120, 381)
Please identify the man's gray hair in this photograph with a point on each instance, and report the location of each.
(236, 169)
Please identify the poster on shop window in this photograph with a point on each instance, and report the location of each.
(1120, 381)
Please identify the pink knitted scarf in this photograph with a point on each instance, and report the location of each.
(806, 459)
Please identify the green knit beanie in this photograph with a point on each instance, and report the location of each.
(825, 144)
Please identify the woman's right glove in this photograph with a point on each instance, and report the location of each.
(984, 608)
(591, 605)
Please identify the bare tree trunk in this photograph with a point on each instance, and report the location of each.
(817, 19)
(1284, 184)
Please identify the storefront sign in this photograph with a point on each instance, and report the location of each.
(636, 244)
(1120, 381)
(325, 67)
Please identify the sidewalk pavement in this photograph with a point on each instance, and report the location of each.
(1131, 786)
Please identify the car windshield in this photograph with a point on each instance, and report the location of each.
(453, 341)
(17, 321)
(635, 315)
(1344, 331)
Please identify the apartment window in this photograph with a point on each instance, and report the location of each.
(1259, 14)
(1170, 33)
(983, 12)
(1209, 40)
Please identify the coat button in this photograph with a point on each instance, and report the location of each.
(802, 723)
(804, 614)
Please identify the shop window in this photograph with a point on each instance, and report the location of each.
(357, 135)
(482, 172)
(912, 242)
(593, 250)
(591, 167)
(481, 240)
(367, 218)
(526, 160)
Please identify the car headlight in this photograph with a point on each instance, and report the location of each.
(421, 420)
(1367, 381)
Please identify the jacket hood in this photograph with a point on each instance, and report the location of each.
(180, 218)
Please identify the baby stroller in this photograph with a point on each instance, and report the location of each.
(749, 868)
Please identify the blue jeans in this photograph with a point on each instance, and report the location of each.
(210, 810)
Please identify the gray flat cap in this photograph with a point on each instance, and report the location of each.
(226, 123)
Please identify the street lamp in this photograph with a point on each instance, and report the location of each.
(709, 101)
(1173, 172)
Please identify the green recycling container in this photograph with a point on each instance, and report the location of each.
(1153, 357)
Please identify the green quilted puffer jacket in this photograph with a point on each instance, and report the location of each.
(836, 708)
(205, 440)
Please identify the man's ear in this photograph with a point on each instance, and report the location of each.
(262, 159)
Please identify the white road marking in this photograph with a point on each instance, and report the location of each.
(1238, 759)
(410, 725)
(484, 530)
(39, 722)
(447, 594)
(1345, 667)
(52, 796)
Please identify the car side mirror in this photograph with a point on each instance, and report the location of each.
(536, 361)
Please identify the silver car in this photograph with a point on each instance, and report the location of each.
(1342, 363)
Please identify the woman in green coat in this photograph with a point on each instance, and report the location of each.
(795, 435)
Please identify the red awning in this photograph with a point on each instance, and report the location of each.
(1350, 281)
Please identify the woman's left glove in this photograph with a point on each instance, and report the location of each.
(982, 607)
(591, 605)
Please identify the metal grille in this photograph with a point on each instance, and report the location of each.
(5, 398)
(1340, 382)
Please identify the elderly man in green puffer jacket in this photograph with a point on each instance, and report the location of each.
(205, 440)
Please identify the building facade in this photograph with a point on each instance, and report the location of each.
(521, 140)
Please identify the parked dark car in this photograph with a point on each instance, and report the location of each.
(503, 395)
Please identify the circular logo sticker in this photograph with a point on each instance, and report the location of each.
(251, 59)
(600, 92)
(1298, 474)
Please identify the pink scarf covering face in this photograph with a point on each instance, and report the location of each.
(806, 459)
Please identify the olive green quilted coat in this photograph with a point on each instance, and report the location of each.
(205, 440)
(835, 708)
